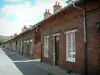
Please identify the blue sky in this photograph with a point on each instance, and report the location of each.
(14, 14)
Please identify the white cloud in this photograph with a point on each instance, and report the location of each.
(23, 11)
(25, 14)
(9, 28)
(5, 26)
(48, 4)
(13, 0)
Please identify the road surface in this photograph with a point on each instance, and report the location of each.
(22, 64)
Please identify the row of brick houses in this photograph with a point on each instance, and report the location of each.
(27, 43)
(59, 38)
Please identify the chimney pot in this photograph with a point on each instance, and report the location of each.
(47, 14)
(57, 7)
(46, 10)
(24, 28)
(56, 3)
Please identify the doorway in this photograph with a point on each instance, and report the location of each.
(56, 50)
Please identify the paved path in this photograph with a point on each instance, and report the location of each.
(7, 67)
(25, 64)
(29, 66)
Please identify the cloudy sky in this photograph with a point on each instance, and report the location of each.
(14, 14)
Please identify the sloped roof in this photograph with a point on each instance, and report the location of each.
(39, 23)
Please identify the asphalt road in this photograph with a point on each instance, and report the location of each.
(24, 64)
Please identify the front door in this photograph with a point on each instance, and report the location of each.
(27, 49)
(56, 50)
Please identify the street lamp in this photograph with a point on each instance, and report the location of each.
(85, 34)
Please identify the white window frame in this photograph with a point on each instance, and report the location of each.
(46, 46)
(72, 49)
(31, 40)
(21, 46)
(14, 46)
(56, 34)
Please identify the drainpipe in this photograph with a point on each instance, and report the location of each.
(41, 45)
(85, 39)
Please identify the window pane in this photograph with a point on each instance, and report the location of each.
(46, 46)
(46, 51)
(69, 56)
(73, 45)
(73, 50)
(69, 45)
(73, 56)
(69, 37)
(69, 53)
(74, 36)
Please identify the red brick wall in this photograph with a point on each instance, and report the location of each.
(93, 40)
(37, 52)
(62, 23)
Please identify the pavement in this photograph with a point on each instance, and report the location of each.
(53, 70)
(24, 64)
(7, 67)
(28, 66)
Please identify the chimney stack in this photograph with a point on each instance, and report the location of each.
(57, 7)
(24, 28)
(47, 14)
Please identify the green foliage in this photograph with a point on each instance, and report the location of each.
(2, 40)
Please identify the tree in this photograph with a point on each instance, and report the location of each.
(2, 40)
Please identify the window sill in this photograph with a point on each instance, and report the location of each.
(71, 60)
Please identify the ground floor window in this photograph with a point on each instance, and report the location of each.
(70, 46)
(31, 46)
(14, 46)
(46, 45)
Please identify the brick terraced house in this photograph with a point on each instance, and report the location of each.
(59, 38)
(63, 37)
(27, 43)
